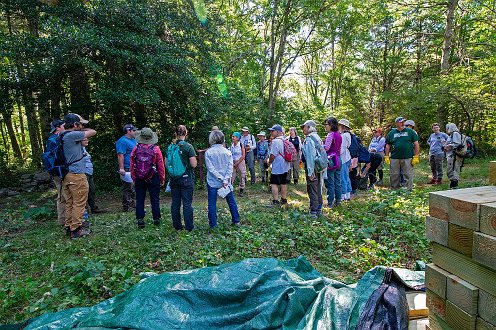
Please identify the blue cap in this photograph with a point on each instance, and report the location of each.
(237, 134)
(276, 127)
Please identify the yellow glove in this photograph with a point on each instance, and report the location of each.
(387, 160)
(415, 160)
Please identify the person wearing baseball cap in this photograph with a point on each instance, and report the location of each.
(249, 143)
(280, 167)
(402, 143)
(75, 184)
(56, 128)
(262, 155)
(376, 146)
(314, 178)
(124, 146)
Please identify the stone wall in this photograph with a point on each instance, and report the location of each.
(39, 181)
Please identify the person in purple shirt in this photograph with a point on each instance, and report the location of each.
(376, 146)
(332, 146)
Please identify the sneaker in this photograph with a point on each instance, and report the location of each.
(295, 181)
(274, 203)
(236, 224)
(85, 224)
(284, 201)
(141, 223)
(80, 232)
(68, 231)
(241, 192)
(156, 222)
(379, 183)
(313, 215)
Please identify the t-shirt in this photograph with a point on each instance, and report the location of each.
(236, 151)
(401, 143)
(73, 151)
(88, 164)
(187, 151)
(436, 143)
(124, 146)
(296, 142)
(279, 165)
(248, 140)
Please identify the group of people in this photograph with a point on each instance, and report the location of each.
(143, 168)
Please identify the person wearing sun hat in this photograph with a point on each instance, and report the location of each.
(402, 143)
(146, 146)
(56, 128)
(344, 129)
(262, 154)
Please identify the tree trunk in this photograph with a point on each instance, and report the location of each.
(80, 92)
(7, 117)
(140, 114)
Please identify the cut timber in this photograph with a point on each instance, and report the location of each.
(481, 324)
(484, 250)
(460, 239)
(439, 201)
(488, 219)
(459, 319)
(418, 324)
(463, 267)
(492, 172)
(436, 304)
(462, 294)
(436, 230)
(435, 280)
(437, 323)
(487, 307)
(417, 306)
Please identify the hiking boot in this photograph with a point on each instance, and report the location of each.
(85, 224)
(80, 232)
(295, 181)
(156, 222)
(284, 201)
(98, 210)
(433, 181)
(439, 181)
(141, 223)
(379, 183)
(68, 231)
(274, 203)
(241, 192)
(453, 184)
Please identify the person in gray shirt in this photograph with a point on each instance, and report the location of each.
(75, 184)
(436, 143)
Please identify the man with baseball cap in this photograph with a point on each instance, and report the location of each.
(57, 127)
(280, 167)
(376, 146)
(248, 142)
(75, 184)
(123, 147)
(262, 154)
(403, 144)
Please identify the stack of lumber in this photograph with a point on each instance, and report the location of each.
(492, 172)
(461, 281)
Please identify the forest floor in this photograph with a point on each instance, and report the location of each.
(42, 270)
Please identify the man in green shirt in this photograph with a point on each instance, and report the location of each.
(403, 144)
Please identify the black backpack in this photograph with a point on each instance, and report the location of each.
(467, 149)
(54, 160)
(354, 147)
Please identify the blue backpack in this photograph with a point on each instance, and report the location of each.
(354, 147)
(54, 160)
(175, 165)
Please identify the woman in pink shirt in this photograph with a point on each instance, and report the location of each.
(332, 146)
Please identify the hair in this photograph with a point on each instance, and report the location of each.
(293, 129)
(181, 130)
(312, 129)
(435, 124)
(216, 137)
(333, 122)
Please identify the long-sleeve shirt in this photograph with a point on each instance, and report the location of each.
(310, 151)
(377, 144)
(88, 164)
(333, 143)
(159, 163)
(345, 152)
(219, 162)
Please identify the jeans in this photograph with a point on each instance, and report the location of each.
(436, 162)
(212, 206)
(182, 192)
(76, 193)
(333, 186)
(345, 177)
(250, 162)
(153, 188)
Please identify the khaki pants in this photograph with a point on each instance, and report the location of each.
(76, 192)
(60, 200)
(453, 166)
(394, 172)
(294, 169)
(241, 171)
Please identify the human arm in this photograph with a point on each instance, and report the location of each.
(88, 132)
(328, 142)
(310, 155)
(131, 168)
(416, 148)
(120, 159)
(160, 164)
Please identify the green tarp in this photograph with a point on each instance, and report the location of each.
(250, 294)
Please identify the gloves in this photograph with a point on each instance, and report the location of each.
(387, 160)
(415, 160)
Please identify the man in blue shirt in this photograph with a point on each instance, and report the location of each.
(57, 127)
(436, 143)
(123, 147)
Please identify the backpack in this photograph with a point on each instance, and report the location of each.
(321, 161)
(354, 147)
(289, 151)
(467, 149)
(363, 153)
(54, 159)
(262, 150)
(144, 162)
(175, 165)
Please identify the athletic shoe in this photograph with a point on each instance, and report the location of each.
(80, 232)
(141, 223)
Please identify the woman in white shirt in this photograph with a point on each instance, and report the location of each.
(344, 129)
(239, 167)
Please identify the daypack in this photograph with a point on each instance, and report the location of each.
(289, 151)
(54, 159)
(321, 161)
(175, 165)
(467, 149)
(144, 166)
(363, 153)
(354, 147)
(262, 150)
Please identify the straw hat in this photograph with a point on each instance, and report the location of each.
(344, 122)
(146, 136)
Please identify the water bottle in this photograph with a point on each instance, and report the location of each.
(85, 216)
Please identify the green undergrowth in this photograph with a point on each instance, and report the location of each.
(42, 270)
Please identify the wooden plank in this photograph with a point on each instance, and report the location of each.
(437, 323)
(417, 304)
(464, 210)
(435, 280)
(418, 324)
(481, 324)
(459, 319)
(436, 230)
(484, 250)
(492, 172)
(487, 307)
(487, 222)
(436, 304)
(465, 268)
(462, 294)
(460, 239)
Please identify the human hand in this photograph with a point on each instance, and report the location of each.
(387, 161)
(415, 160)
(122, 171)
(162, 183)
(312, 177)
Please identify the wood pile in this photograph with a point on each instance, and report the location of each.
(461, 281)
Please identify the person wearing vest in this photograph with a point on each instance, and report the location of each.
(249, 144)
(314, 179)
(239, 166)
(262, 155)
(123, 147)
(182, 187)
(146, 138)
(376, 146)
(75, 184)
(57, 127)
(295, 165)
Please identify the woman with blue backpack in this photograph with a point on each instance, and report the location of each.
(148, 174)
(332, 146)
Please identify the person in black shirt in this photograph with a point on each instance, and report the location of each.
(295, 165)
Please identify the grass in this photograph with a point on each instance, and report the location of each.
(42, 270)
